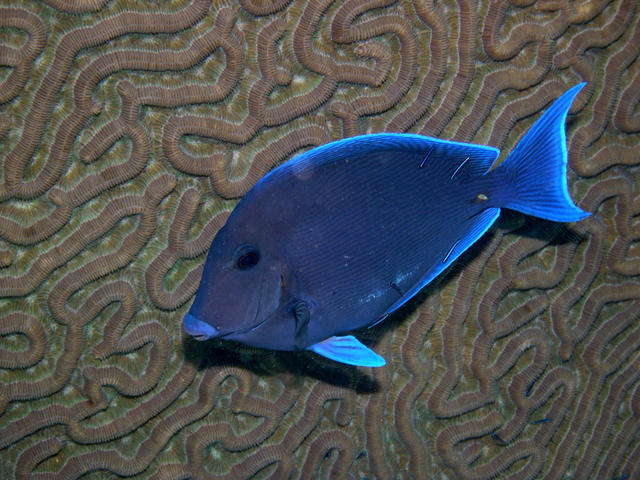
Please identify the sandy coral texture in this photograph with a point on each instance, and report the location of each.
(129, 130)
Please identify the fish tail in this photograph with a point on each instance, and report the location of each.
(536, 169)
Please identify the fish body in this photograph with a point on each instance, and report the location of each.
(342, 235)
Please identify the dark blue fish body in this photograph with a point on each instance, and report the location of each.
(342, 235)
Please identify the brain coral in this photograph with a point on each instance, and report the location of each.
(128, 131)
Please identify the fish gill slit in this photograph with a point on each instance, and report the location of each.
(426, 157)
(459, 167)
(446, 257)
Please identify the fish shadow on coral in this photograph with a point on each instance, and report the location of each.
(224, 353)
(553, 233)
(218, 354)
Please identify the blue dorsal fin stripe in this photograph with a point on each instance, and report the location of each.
(349, 350)
(457, 170)
(426, 157)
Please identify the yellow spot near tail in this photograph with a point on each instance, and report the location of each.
(482, 197)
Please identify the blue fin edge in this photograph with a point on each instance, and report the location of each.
(349, 350)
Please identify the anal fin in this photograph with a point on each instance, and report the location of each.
(477, 227)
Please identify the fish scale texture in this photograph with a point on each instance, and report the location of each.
(129, 130)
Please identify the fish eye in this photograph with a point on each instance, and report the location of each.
(248, 257)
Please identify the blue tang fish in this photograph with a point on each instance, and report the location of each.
(344, 234)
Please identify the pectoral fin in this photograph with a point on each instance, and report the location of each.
(347, 350)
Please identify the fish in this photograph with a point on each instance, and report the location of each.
(342, 235)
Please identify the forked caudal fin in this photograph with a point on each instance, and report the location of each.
(537, 167)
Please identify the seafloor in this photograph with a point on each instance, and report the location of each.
(129, 130)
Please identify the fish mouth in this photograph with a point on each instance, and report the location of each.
(202, 331)
(198, 329)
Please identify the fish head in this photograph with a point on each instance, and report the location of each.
(240, 287)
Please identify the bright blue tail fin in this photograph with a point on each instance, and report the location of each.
(537, 167)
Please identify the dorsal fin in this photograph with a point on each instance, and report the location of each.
(466, 158)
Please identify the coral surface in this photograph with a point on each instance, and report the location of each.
(128, 131)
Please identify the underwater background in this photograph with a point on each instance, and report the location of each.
(129, 130)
